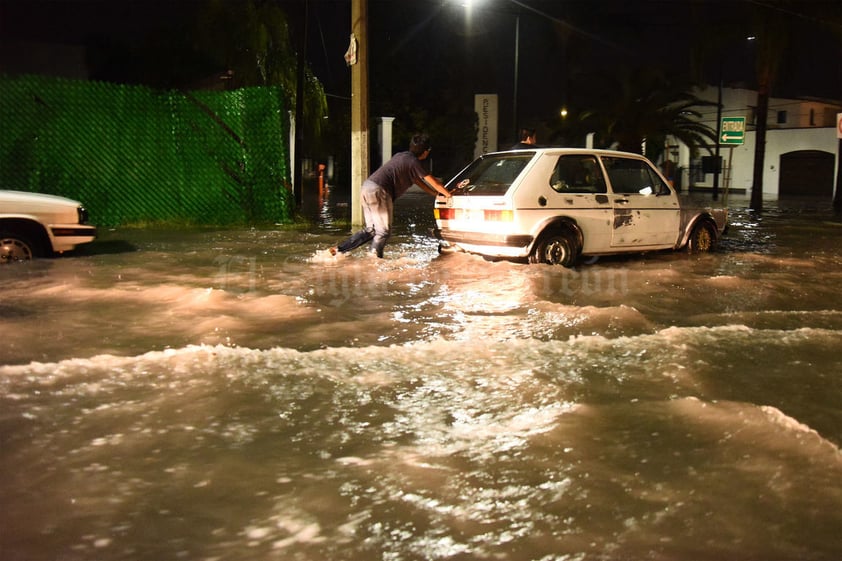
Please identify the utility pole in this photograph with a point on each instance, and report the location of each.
(837, 201)
(297, 175)
(760, 147)
(515, 116)
(716, 156)
(359, 107)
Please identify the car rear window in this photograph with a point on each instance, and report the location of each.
(491, 175)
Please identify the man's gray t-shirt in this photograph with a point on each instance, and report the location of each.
(399, 173)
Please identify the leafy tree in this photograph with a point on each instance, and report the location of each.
(251, 40)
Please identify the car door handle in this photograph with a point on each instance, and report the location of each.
(621, 201)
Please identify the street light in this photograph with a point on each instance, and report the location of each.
(469, 5)
(517, 64)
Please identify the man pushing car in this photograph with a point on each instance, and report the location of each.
(383, 187)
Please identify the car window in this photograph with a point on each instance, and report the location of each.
(491, 175)
(631, 176)
(575, 173)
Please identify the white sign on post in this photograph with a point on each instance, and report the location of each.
(485, 106)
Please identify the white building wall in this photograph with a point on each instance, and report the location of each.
(743, 103)
(778, 142)
(781, 138)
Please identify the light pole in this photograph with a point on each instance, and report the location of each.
(469, 5)
(515, 124)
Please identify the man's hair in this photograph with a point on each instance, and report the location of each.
(419, 144)
(526, 133)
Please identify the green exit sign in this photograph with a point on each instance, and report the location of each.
(733, 130)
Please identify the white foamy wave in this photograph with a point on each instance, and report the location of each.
(757, 426)
(772, 319)
(778, 417)
(444, 354)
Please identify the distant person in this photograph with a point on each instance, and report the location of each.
(383, 187)
(527, 140)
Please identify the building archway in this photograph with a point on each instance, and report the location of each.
(806, 173)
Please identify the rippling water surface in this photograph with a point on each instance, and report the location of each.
(239, 395)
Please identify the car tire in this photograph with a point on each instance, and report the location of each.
(14, 247)
(702, 238)
(555, 248)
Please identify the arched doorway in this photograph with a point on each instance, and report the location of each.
(806, 173)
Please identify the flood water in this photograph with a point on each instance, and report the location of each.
(236, 395)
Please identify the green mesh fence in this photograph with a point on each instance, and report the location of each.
(132, 154)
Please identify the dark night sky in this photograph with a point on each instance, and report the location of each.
(598, 35)
(605, 32)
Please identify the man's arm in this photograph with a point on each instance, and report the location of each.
(433, 186)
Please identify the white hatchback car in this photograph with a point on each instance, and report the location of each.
(553, 205)
(36, 225)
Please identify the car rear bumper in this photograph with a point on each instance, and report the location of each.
(479, 238)
(495, 245)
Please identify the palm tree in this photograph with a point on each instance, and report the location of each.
(772, 32)
(643, 105)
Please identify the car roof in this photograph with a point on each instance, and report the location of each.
(565, 150)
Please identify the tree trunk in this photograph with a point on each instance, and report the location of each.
(837, 201)
(760, 147)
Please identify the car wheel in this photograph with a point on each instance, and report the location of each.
(702, 238)
(14, 248)
(555, 249)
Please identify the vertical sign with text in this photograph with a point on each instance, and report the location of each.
(485, 106)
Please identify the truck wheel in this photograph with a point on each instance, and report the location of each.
(556, 248)
(702, 238)
(15, 248)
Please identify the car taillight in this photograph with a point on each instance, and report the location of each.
(445, 213)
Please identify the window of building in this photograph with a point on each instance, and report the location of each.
(781, 117)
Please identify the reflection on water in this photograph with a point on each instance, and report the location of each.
(237, 395)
